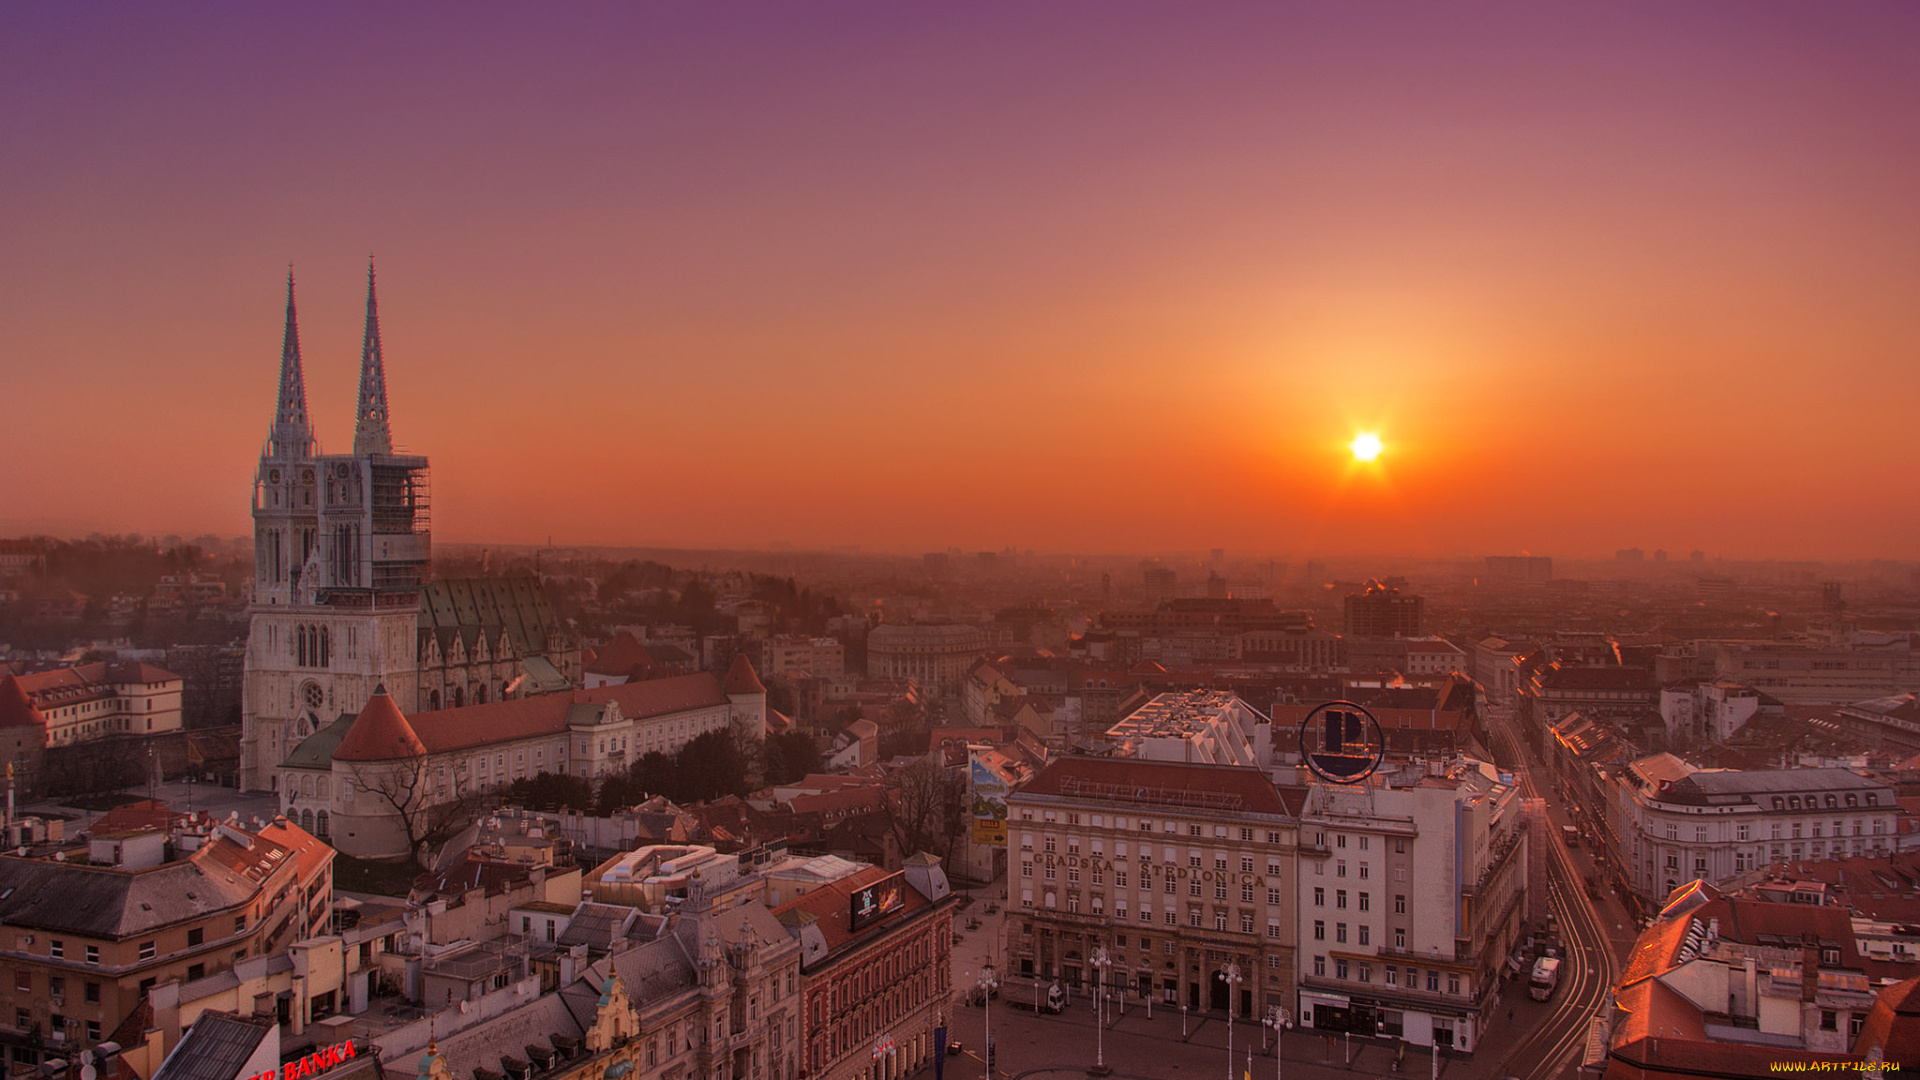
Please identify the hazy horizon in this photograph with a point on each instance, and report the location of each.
(1068, 278)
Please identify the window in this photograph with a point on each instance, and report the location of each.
(1340, 868)
(1340, 898)
(1829, 1020)
(92, 993)
(1319, 897)
(1339, 967)
(1363, 872)
(1193, 830)
(56, 948)
(1246, 922)
(147, 950)
(1219, 860)
(1366, 901)
(1399, 903)
(1433, 981)
(1246, 864)
(1273, 930)
(196, 936)
(196, 971)
(1246, 894)
(93, 954)
(1319, 965)
(1340, 840)
(93, 1031)
(1219, 890)
(1366, 934)
(1319, 929)
(1393, 975)
(23, 980)
(1400, 942)
(1340, 932)
(1026, 869)
(1273, 896)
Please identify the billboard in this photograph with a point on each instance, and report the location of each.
(989, 799)
(876, 901)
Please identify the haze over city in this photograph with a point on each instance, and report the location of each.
(1073, 277)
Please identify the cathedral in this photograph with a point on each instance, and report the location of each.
(342, 604)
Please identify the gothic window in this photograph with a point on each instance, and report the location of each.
(300, 649)
(313, 696)
(480, 695)
(458, 698)
(433, 699)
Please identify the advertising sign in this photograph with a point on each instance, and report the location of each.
(989, 800)
(878, 900)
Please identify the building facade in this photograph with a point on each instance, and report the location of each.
(108, 697)
(341, 548)
(380, 782)
(1410, 901)
(86, 942)
(875, 978)
(1679, 824)
(1180, 872)
(933, 656)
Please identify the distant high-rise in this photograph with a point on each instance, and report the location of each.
(1521, 568)
(1383, 612)
(341, 549)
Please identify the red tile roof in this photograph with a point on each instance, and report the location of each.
(1131, 780)
(741, 678)
(621, 656)
(379, 733)
(15, 709)
(449, 730)
(832, 908)
(1892, 1026)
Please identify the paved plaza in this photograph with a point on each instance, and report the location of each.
(1137, 1045)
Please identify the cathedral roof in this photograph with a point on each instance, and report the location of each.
(447, 730)
(741, 678)
(465, 608)
(379, 733)
(15, 709)
(624, 655)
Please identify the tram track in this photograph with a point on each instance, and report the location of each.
(1590, 965)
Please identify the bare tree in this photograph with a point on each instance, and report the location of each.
(933, 806)
(431, 802)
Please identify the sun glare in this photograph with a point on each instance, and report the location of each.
(1365, 446)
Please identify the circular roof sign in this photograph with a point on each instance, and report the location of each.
(1342, 742)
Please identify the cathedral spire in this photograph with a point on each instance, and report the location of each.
(292, 433)
(371, 433)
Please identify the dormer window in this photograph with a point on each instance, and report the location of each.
(1873, 799)
(1852, 799)
(1779, 803)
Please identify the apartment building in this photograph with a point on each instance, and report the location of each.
(1410, 899)
(1179, 871)
(1680, 824)
(86, 942)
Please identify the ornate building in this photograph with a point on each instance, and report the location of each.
(341, 600)
(341, 548)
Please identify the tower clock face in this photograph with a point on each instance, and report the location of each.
(306, 476)
(273, 476)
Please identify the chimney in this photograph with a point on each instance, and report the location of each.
(1809, 967)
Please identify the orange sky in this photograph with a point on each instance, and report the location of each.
(1080, 278)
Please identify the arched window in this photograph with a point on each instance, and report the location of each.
(324, 648)
(301, 649)
(480, 695)
(306, 820)
(320, 825)
(459, 698)
(433, 699)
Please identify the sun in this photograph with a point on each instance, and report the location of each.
(1365, 446)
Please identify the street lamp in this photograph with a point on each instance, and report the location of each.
(1100, 962)
(1279, 1021)
(1231, 976)
(988, 984)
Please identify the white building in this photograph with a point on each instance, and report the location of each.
(1410, 901)
(1207, 727)
(1680, 824)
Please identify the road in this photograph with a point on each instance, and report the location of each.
(1553, 1048)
